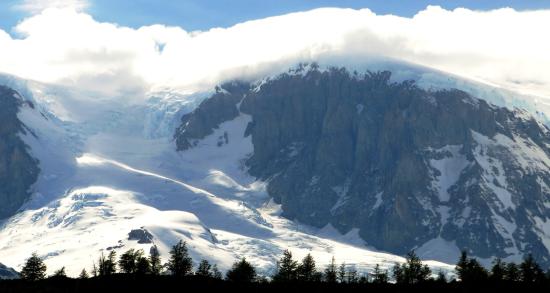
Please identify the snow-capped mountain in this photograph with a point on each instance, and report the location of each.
(241, 177)
(110, 168)
(437, 170)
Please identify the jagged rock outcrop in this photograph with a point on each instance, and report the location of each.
(402, 164)
(222, 106)
(18, 169)
(141, 235)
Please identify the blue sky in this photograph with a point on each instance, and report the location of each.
(205, 14)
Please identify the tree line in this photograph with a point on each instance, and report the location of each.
(133, 262)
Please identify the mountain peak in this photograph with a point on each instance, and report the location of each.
(403, 164)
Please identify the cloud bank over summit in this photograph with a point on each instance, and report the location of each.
(65, 45)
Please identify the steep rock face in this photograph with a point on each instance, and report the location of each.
(18, 170)
(402, 164)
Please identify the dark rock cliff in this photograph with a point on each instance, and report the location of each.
(401, 164)
(8, 273)
(222, 106)
(18, 169)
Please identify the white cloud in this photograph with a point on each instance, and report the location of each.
(504, 46)
(36, 6)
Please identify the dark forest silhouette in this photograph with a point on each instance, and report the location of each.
(135, 270)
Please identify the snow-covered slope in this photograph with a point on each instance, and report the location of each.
(109, 167)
